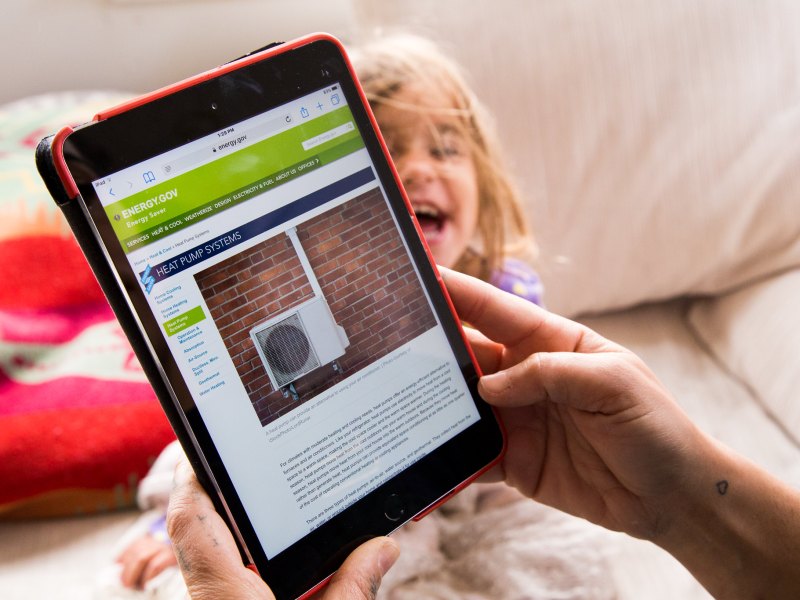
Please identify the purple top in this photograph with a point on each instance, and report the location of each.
(519, 279)
(158, 529)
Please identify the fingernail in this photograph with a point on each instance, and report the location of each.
(494, 384)
(181, 474)
(388, 555)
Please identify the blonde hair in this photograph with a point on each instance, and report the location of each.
(388, 65)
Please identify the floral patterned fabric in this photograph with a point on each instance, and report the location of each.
(79, 424)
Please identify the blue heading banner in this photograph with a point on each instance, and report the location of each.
(190, 258)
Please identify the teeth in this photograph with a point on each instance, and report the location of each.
(426, 211)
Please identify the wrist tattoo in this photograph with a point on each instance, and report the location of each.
(722, 487)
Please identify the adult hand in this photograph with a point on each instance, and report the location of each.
(590, 429)
(212, 567)
(592, 432)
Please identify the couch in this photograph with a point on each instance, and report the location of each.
(657, 146)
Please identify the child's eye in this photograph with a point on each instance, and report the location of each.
(448, 145)
(445, 151)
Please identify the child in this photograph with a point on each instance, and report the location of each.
(445, 151)
(470, 214)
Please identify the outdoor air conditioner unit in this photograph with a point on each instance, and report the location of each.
(298, 341)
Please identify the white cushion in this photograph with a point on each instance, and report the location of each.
(755, 335)
(657, 142)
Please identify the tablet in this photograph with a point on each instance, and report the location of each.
(254, 240)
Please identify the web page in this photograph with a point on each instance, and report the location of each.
(271, 259)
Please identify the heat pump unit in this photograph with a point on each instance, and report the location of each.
(298, 341)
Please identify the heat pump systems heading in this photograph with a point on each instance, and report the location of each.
(301, 339)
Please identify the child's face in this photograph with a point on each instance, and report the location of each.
(435, 163)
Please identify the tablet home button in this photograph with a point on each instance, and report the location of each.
(394, 508)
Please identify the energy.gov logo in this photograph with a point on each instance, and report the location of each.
(148, 281)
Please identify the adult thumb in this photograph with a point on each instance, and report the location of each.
(360, 575)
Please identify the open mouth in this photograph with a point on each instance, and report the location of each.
(431, 221)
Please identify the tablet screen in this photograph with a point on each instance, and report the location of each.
(272, 262)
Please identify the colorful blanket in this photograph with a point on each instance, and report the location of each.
(79, 424)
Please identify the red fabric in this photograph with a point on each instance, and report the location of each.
(90, 447)
(66, 425)
(45, 272)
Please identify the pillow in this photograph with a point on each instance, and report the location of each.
(755, 334)
(656, 142)
(79, 424)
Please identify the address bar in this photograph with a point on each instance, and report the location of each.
(222, 146)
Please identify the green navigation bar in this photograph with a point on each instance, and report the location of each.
(201, 193)
(184, 321)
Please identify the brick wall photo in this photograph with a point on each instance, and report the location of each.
(365, 275)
